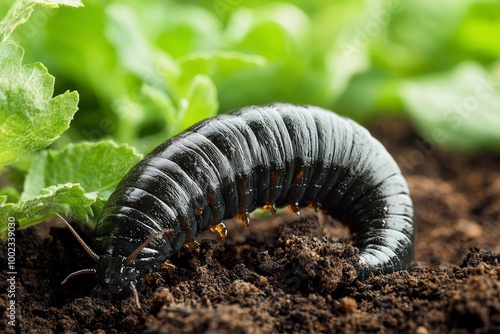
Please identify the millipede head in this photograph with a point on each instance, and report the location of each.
(116, 274)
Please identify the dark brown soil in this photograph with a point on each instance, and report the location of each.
(284, 275)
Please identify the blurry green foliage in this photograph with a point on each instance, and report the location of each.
(468, 108)
(351, 56)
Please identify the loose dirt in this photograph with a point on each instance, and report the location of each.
(290, 275)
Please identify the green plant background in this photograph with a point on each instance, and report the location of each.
(142, 71)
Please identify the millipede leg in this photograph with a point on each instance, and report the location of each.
(221, 229)
(193, 244)
(294, 208)
(244, 218)
(270, 207)
(167, 265)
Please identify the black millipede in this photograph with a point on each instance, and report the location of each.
(226, 166)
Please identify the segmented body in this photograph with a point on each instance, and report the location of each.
(278, 155)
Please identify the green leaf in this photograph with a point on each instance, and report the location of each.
(201, 102)
(161, 102)
(132, 48)
(189, 27)
(20, 12)
(411, 37)
(9, 193)
(231, 72)
(274, 30)
(74, 45)
(73, 182)
(218, 66)
(67, 199)
(459, 109)
(97, 167)
(480, 29)
(30, 118)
